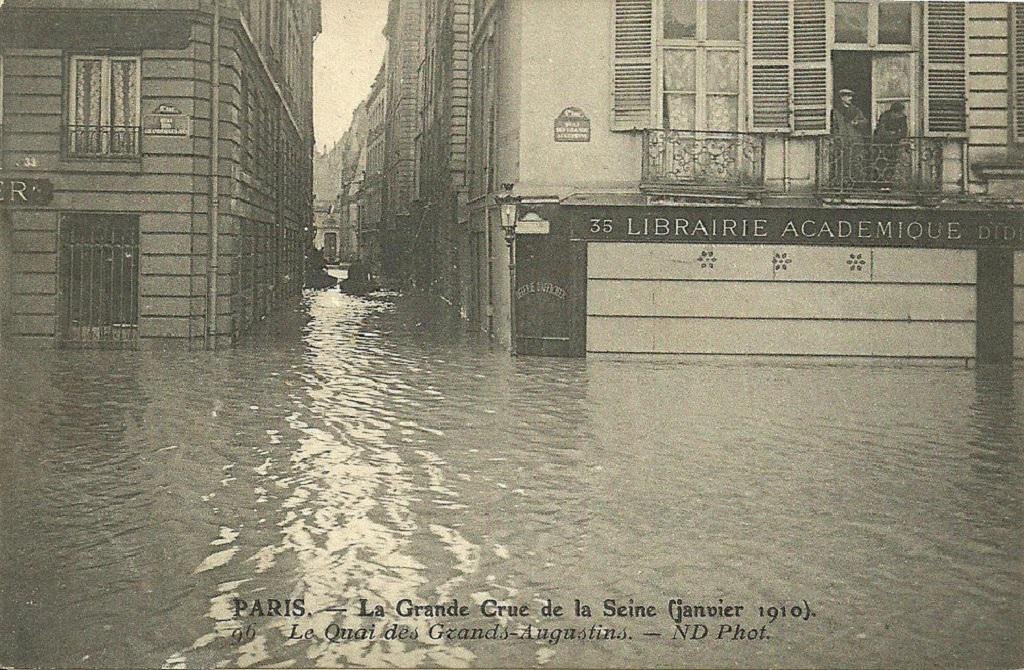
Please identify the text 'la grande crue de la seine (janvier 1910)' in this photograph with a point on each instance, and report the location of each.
(574, 620)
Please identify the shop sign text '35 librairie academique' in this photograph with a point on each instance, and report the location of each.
(855, 227)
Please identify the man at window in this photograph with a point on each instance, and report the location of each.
(850, 128)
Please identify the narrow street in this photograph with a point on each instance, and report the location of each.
(360, 452)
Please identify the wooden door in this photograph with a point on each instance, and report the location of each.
(549, 297)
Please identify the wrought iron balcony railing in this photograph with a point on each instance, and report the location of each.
(704, 161)
(851, 167)
(95, 140)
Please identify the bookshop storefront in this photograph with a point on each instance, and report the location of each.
(863, 282)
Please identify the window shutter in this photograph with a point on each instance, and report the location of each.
(945, 56)
(770, 74)
(811, 86)
(1018, 72)
(633, 64)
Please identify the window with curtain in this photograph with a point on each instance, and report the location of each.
(103, 118)
(701, 64)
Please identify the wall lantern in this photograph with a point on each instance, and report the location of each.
(509, 205)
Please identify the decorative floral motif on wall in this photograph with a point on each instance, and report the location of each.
(856, 262)
(781, 261)
(707, 259)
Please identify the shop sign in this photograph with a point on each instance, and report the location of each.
(541, 287)
(532, 224)
(572, 125)
(869, 227)
(16, 192)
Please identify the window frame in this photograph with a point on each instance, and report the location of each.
(872, 44)
(914, 50)
(700, 45)
(915, 102)
(71, 107)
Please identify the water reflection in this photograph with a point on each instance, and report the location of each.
(363, 451)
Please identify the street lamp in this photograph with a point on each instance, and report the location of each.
(509, 206)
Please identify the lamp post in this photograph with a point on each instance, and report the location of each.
(509, 205)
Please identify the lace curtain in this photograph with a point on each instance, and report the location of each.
(124, 94)
(88, 92)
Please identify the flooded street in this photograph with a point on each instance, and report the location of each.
(360, 453)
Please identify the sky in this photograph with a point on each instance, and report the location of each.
(346, 57)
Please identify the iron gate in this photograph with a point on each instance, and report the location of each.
(99, 280)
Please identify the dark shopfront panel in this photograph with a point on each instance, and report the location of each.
(871, 282)
(549, 296)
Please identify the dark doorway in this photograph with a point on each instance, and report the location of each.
(994, 328)
(852, 70)
(330, 246)
(550, 294)
(99, 280)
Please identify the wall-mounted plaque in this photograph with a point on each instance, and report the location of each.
(166, 120)
(572, 125)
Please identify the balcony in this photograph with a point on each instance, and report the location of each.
(721, 165)
(910, 168)
(102, 141)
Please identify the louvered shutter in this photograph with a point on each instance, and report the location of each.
(811, 86)
(633, 64)
(770, 84)
(945, 56)
(1018, 72)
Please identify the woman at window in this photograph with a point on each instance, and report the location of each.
(890, 131)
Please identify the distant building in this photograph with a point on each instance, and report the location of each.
(118, 236)
(371, 188)
(441, 148)
(691, 180)
(401, 226)
(349, 242)
(327, 230)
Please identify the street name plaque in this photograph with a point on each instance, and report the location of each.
(572, 125)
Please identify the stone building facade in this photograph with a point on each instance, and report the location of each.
(371, 188)
(169, 185)
(441, 147)
(401, 87)
(621, 124)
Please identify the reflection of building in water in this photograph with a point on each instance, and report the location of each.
(690, 107)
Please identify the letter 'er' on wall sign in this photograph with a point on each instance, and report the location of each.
(16, 192)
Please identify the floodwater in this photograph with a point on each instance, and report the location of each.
(360, 453)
